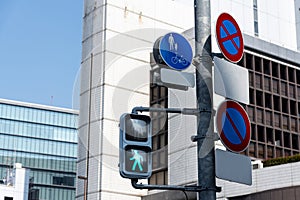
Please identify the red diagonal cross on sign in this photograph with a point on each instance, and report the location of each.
(231, 48)
(229, 37)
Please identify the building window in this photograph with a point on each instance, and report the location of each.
(295, 142)
(293, 124)
(269, 118)
(278, 139)
(268, 101)
(65, 180)
(287, 140)
(249, 61)
(267, 84)
(260, 117)
(292, 91)
(255, 17)
(261, 133)
(261, 151)
(270, 151)
(259, 98)
(266, 67)
(258, 81)
(8, 198)
(284, 90)
(270, 137)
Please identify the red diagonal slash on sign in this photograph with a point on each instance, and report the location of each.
(234, 126)
(234, 120)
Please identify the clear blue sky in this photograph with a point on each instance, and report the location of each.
(40, 50)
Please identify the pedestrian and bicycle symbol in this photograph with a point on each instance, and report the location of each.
(175, 51)
(229, 38)
(233, 126)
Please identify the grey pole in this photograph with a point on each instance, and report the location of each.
(205, 137)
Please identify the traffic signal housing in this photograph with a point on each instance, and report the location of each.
(135, 146)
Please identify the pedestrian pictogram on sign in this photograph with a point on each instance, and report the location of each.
(229, 38)
(233, 126)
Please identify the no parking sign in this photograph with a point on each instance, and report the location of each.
(233, 126)
(229, 38)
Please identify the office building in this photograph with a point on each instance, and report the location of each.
(44, 140)
(118, 37)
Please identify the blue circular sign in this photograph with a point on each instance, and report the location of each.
(176, 51)
(233, 125)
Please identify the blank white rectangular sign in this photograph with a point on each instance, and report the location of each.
(233, 167)
(231, 80)
(177, 77)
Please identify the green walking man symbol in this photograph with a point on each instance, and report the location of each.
(137, 160)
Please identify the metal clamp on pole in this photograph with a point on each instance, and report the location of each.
(190, 111)
(207, 110)
(172, 187)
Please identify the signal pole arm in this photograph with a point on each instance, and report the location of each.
(172, 187)
(184, 111)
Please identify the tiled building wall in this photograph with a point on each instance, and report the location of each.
(274, 108)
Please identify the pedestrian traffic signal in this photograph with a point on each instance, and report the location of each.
(135, 146)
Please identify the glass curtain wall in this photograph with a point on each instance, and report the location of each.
(44, 141)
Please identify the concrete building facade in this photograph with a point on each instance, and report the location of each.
(118, 37)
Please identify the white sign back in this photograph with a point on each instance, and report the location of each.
(231, 80)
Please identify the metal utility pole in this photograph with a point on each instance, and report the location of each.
(205, 132)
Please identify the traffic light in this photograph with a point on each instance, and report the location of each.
(135, 146)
